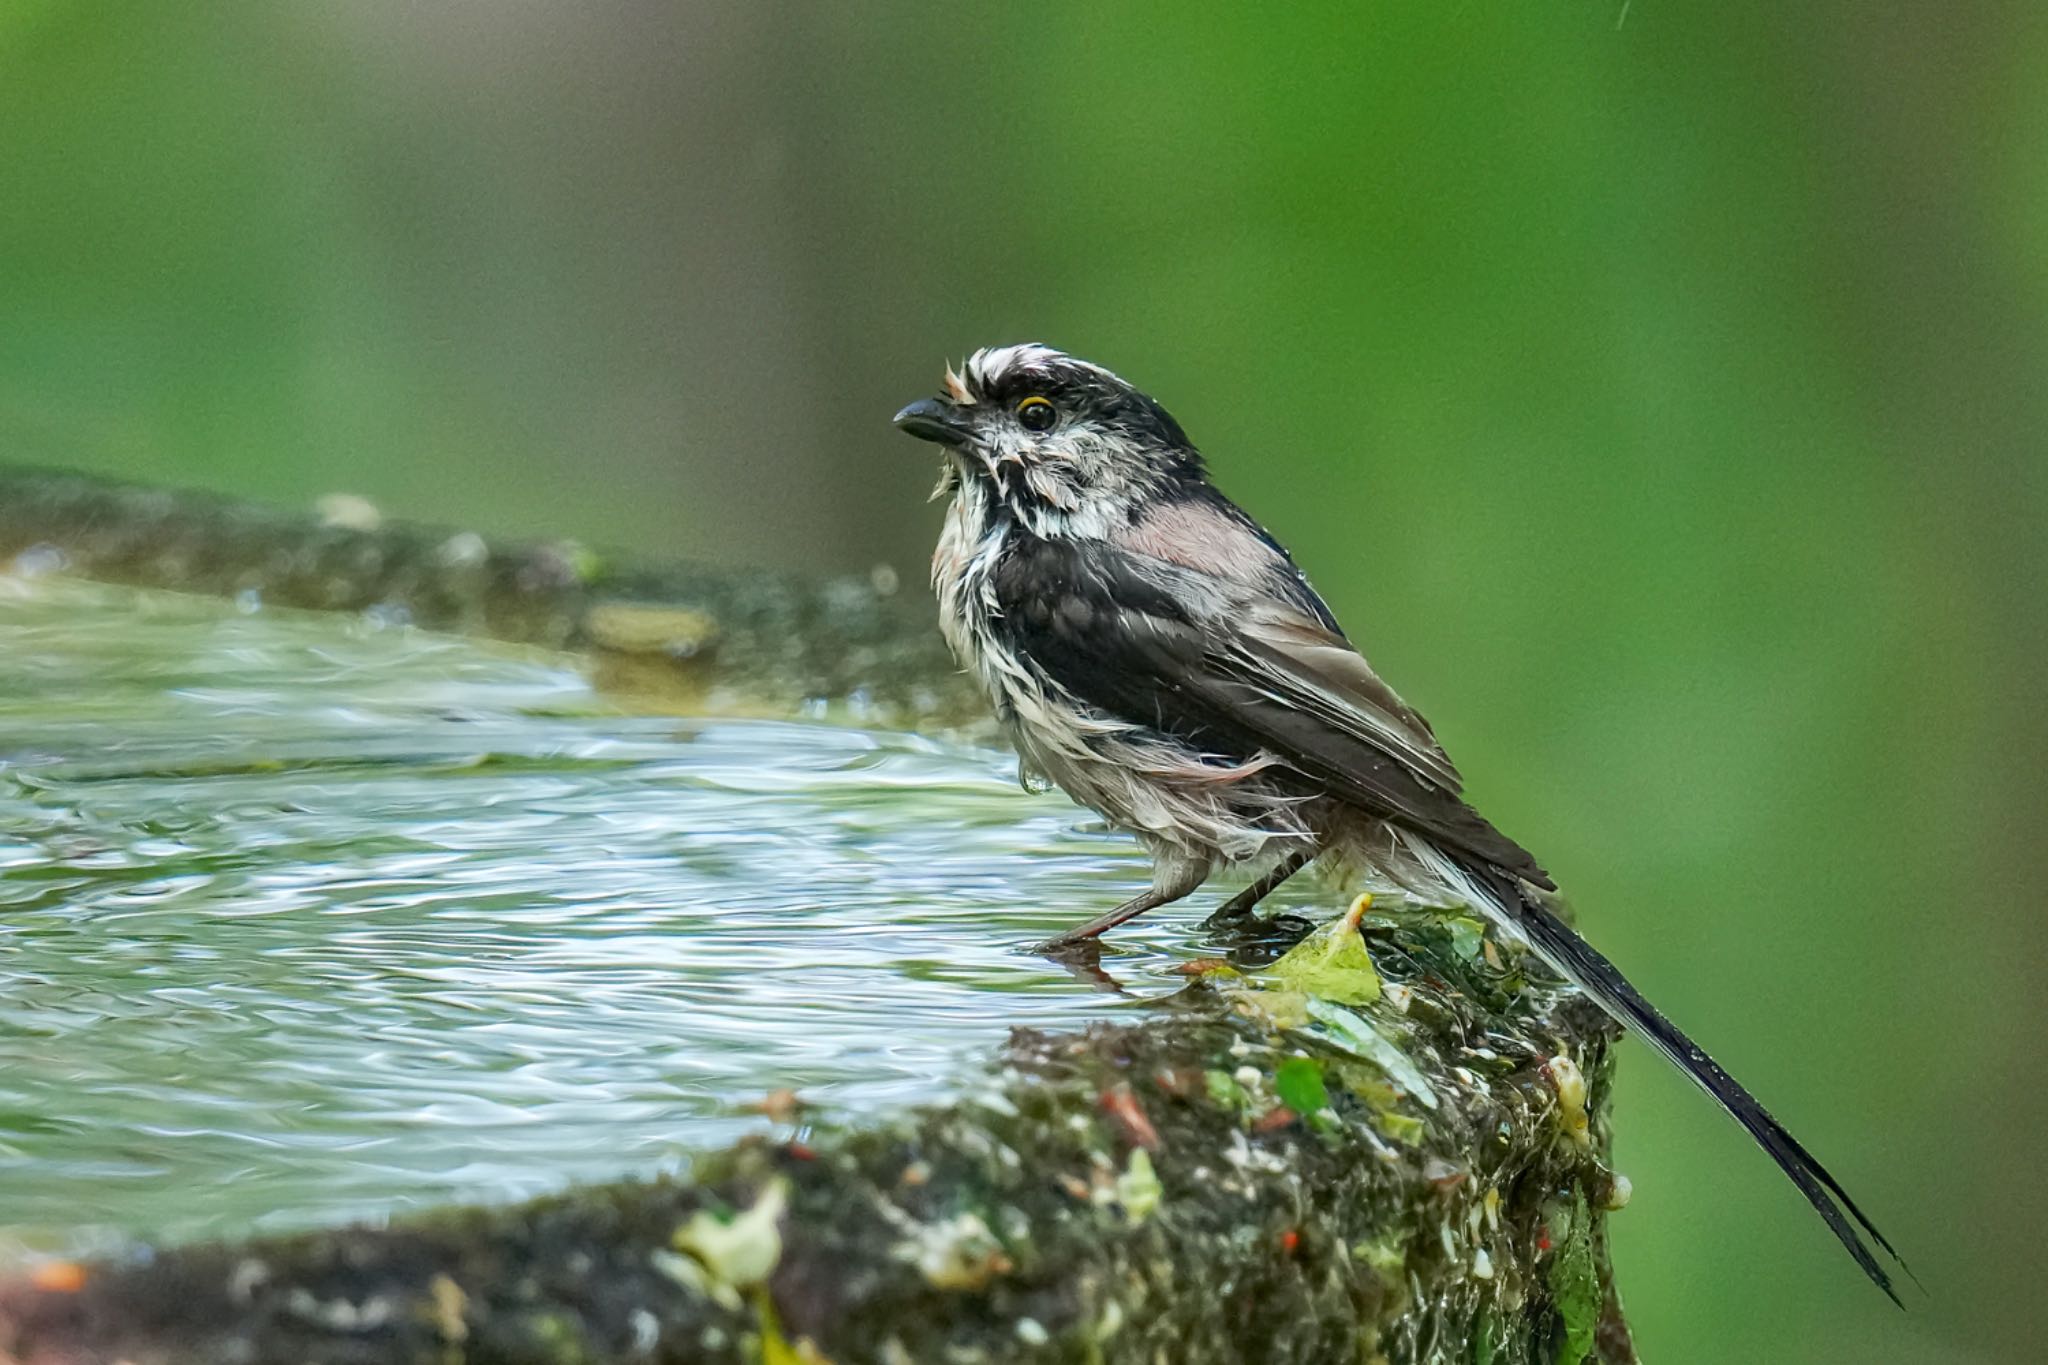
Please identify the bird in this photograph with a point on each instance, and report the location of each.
(1156, 653)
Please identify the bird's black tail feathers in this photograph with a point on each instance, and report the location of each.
(1558, 944)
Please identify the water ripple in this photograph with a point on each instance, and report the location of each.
(303, 921)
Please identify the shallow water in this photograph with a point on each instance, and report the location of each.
(305, 920)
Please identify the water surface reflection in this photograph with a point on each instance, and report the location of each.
(304, 920)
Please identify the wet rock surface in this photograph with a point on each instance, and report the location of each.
(1135, 1192)
(691, 634)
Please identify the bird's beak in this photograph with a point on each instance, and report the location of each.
(935, 419)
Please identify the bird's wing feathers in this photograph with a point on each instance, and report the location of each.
(1286, 626)
(1230, 664)
(1321, 671)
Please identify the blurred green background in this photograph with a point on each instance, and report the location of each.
(1659, 394)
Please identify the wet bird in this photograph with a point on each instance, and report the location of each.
(1156, 653)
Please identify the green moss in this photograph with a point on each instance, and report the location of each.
(1138, 1188)
(1298, 1082)
(1482, 1340)
(1224, 1091)
(1574, 1281)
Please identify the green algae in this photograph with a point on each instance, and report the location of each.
(1574, 1281)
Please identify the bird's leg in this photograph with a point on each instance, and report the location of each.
(1171, 880)
(1130, 909)
(1240, 905)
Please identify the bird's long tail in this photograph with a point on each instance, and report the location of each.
(1578, 962)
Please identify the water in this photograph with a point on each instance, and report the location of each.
(303, 920)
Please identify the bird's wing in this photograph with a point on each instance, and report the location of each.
(1287, 624)
(1231, 664)
(1320, 671)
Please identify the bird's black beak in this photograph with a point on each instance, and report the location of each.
(935, 419)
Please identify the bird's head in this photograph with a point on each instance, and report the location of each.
(1054, 437)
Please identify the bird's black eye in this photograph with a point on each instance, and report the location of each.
(1036, 414)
